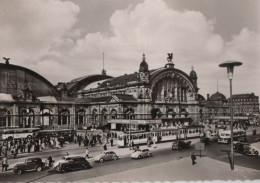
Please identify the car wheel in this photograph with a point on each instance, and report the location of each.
(101, 160)
(39, 168)
(115, 158)
(19, 171)
(149, 154)
(139, 157)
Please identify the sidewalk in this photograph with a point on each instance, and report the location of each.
(93, 151)
(181, 170)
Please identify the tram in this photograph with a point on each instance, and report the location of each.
(160, 135)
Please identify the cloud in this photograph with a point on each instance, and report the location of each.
(30, 28)
(43, 30)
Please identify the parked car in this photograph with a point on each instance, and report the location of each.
(180, 144)
(30, 164)
(245, 149)
(70, 163)
(106, 155)
(141, 153)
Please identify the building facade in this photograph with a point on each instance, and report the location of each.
(150, 98)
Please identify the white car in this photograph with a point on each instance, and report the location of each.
(106, 155)
(141, 153)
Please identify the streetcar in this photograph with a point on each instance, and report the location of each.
(225, 136)
(160, 135)
(66, 134)
(18, 133)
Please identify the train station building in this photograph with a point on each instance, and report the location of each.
(150, 98)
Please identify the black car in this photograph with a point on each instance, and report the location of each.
(245, 149)
(70, 163)
(180, 144)
(30, 164)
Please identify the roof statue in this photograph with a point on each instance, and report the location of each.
(170, 57)
(6, 60)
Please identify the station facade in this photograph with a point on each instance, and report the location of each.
(147, 99)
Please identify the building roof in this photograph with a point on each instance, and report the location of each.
(217, 96)
(241, 96)
(80, 83)
(125, 98)
(120, 80)
(38, 76)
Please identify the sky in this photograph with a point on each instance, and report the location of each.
(65, 39)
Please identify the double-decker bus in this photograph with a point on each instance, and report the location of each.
(225, 136)
(18, 133)
(160, 135)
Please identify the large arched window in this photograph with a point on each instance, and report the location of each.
(80, 117)
(156, 113)
(5, 118)
(27, 118)
(113, 114)
(171, 113)
(94, 115)
(129, 113)
(104, 115)
(64, 117)
(171, 88)
(46, 117)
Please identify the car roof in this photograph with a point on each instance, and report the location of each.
(73, 156)
(109, 151)
(34, 159)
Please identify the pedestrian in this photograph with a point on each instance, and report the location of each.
(105, 146)
(4, 164)
(132, 144)
(111, 141)
(1, 148)
(50, 161)
(193, 158)
(87, 153)
(67, 154)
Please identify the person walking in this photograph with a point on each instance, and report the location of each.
(5, 164)
(50, 161)
(111, 141)
(193, 158)
(105, 146)
(1, 149)
(87, 153)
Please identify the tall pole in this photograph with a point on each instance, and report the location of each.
(129, 142)
(231, 126)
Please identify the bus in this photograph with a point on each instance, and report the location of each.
(160, 135)
(225, 136)
(18, 133)
(67, 134)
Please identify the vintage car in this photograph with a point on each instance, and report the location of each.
(245, 149)
(70, 163)
(30, 164)
(106, 155)
(141, 153)
(180, 144)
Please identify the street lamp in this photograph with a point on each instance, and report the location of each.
(230, 69)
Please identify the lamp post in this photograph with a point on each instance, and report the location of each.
(230, 69)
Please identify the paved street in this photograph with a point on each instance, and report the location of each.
(163, 156)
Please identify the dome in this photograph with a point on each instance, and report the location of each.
(193, 74)
(143, 65)
(217, 96)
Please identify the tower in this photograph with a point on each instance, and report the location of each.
(103, 70)
(143, 70)
(193, 76)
